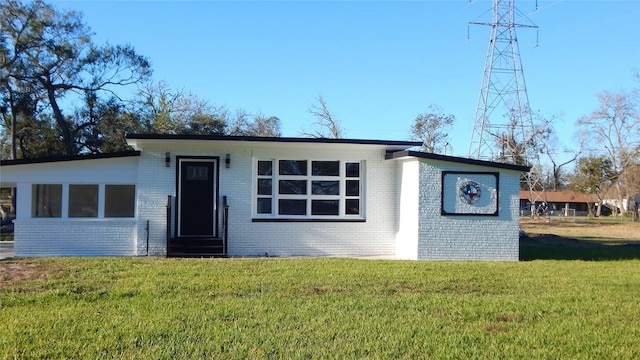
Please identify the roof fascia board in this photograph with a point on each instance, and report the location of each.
(138, 139)
(69, 158)
(424, 155)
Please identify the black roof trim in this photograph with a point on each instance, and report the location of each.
(424, 155)
(69, 158)
(272, 139)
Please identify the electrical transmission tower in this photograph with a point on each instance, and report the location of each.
(503, 128)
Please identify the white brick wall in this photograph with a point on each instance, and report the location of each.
(401, 206)
(247, 238)
(58, 237)
(155, 183)
(71, 237)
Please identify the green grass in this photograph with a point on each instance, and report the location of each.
(551, 247)
(318, 308)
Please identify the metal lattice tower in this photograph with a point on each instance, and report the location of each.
(503, 128)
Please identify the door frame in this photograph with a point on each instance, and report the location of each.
(215, 160)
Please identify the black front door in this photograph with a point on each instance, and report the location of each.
(197, 210)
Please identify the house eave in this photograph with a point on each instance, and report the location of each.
(395, 155)
(137, 140)
(69, 158)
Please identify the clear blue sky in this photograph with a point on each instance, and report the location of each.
(376, 64)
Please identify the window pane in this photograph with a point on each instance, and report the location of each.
(325, 168)
(119, 200)
(353, 187)
(46, 201)
(265, 187)
(293, 167)
(325, 187)
(298, 187)
(352, 207)
(353, 169)
(83, 200)
(265, 168)
(325, 207)
(264, 205)
(292, 207)
(197, 173)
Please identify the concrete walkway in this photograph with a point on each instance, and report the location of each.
(6, 249)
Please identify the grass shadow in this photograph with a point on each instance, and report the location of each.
(554, 247)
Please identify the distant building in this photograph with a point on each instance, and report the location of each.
(559, 203)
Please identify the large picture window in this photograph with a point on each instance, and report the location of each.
(308, 189)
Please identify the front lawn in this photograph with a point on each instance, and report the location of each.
(583, 239)
(318, 308)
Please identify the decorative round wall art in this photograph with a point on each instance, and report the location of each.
(469, 192)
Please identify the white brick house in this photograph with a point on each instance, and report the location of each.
(246, 196)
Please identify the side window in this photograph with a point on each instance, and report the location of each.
(46, 200)
(119, 201)
(83, 201)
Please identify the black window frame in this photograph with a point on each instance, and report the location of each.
(325, 192)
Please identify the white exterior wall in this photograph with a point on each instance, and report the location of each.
(155, 183)
(248, 238)
(402, 206)
(459, 237)
(409, 207)
(70, 237)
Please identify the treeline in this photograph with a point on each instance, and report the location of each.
(61, 92)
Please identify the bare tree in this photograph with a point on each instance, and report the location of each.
(431, 127)
(615, 125)
(238, 125)
(268, 126)
(551, 149)
(325, 125)
(167, 111)
(261, 125)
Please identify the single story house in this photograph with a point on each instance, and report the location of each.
(560, 203)
(181, 195)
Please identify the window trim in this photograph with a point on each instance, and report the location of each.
(309, 197)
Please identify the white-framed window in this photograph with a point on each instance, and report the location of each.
(83, 200)
(308, 189)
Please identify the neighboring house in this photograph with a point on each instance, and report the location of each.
(180, 195)
(559, 203)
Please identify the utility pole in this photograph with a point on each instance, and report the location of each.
(503, 128)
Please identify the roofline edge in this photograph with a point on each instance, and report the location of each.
(70, 158)
(424, 155)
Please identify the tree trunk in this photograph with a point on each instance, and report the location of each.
(64, 125)
(14, 122)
